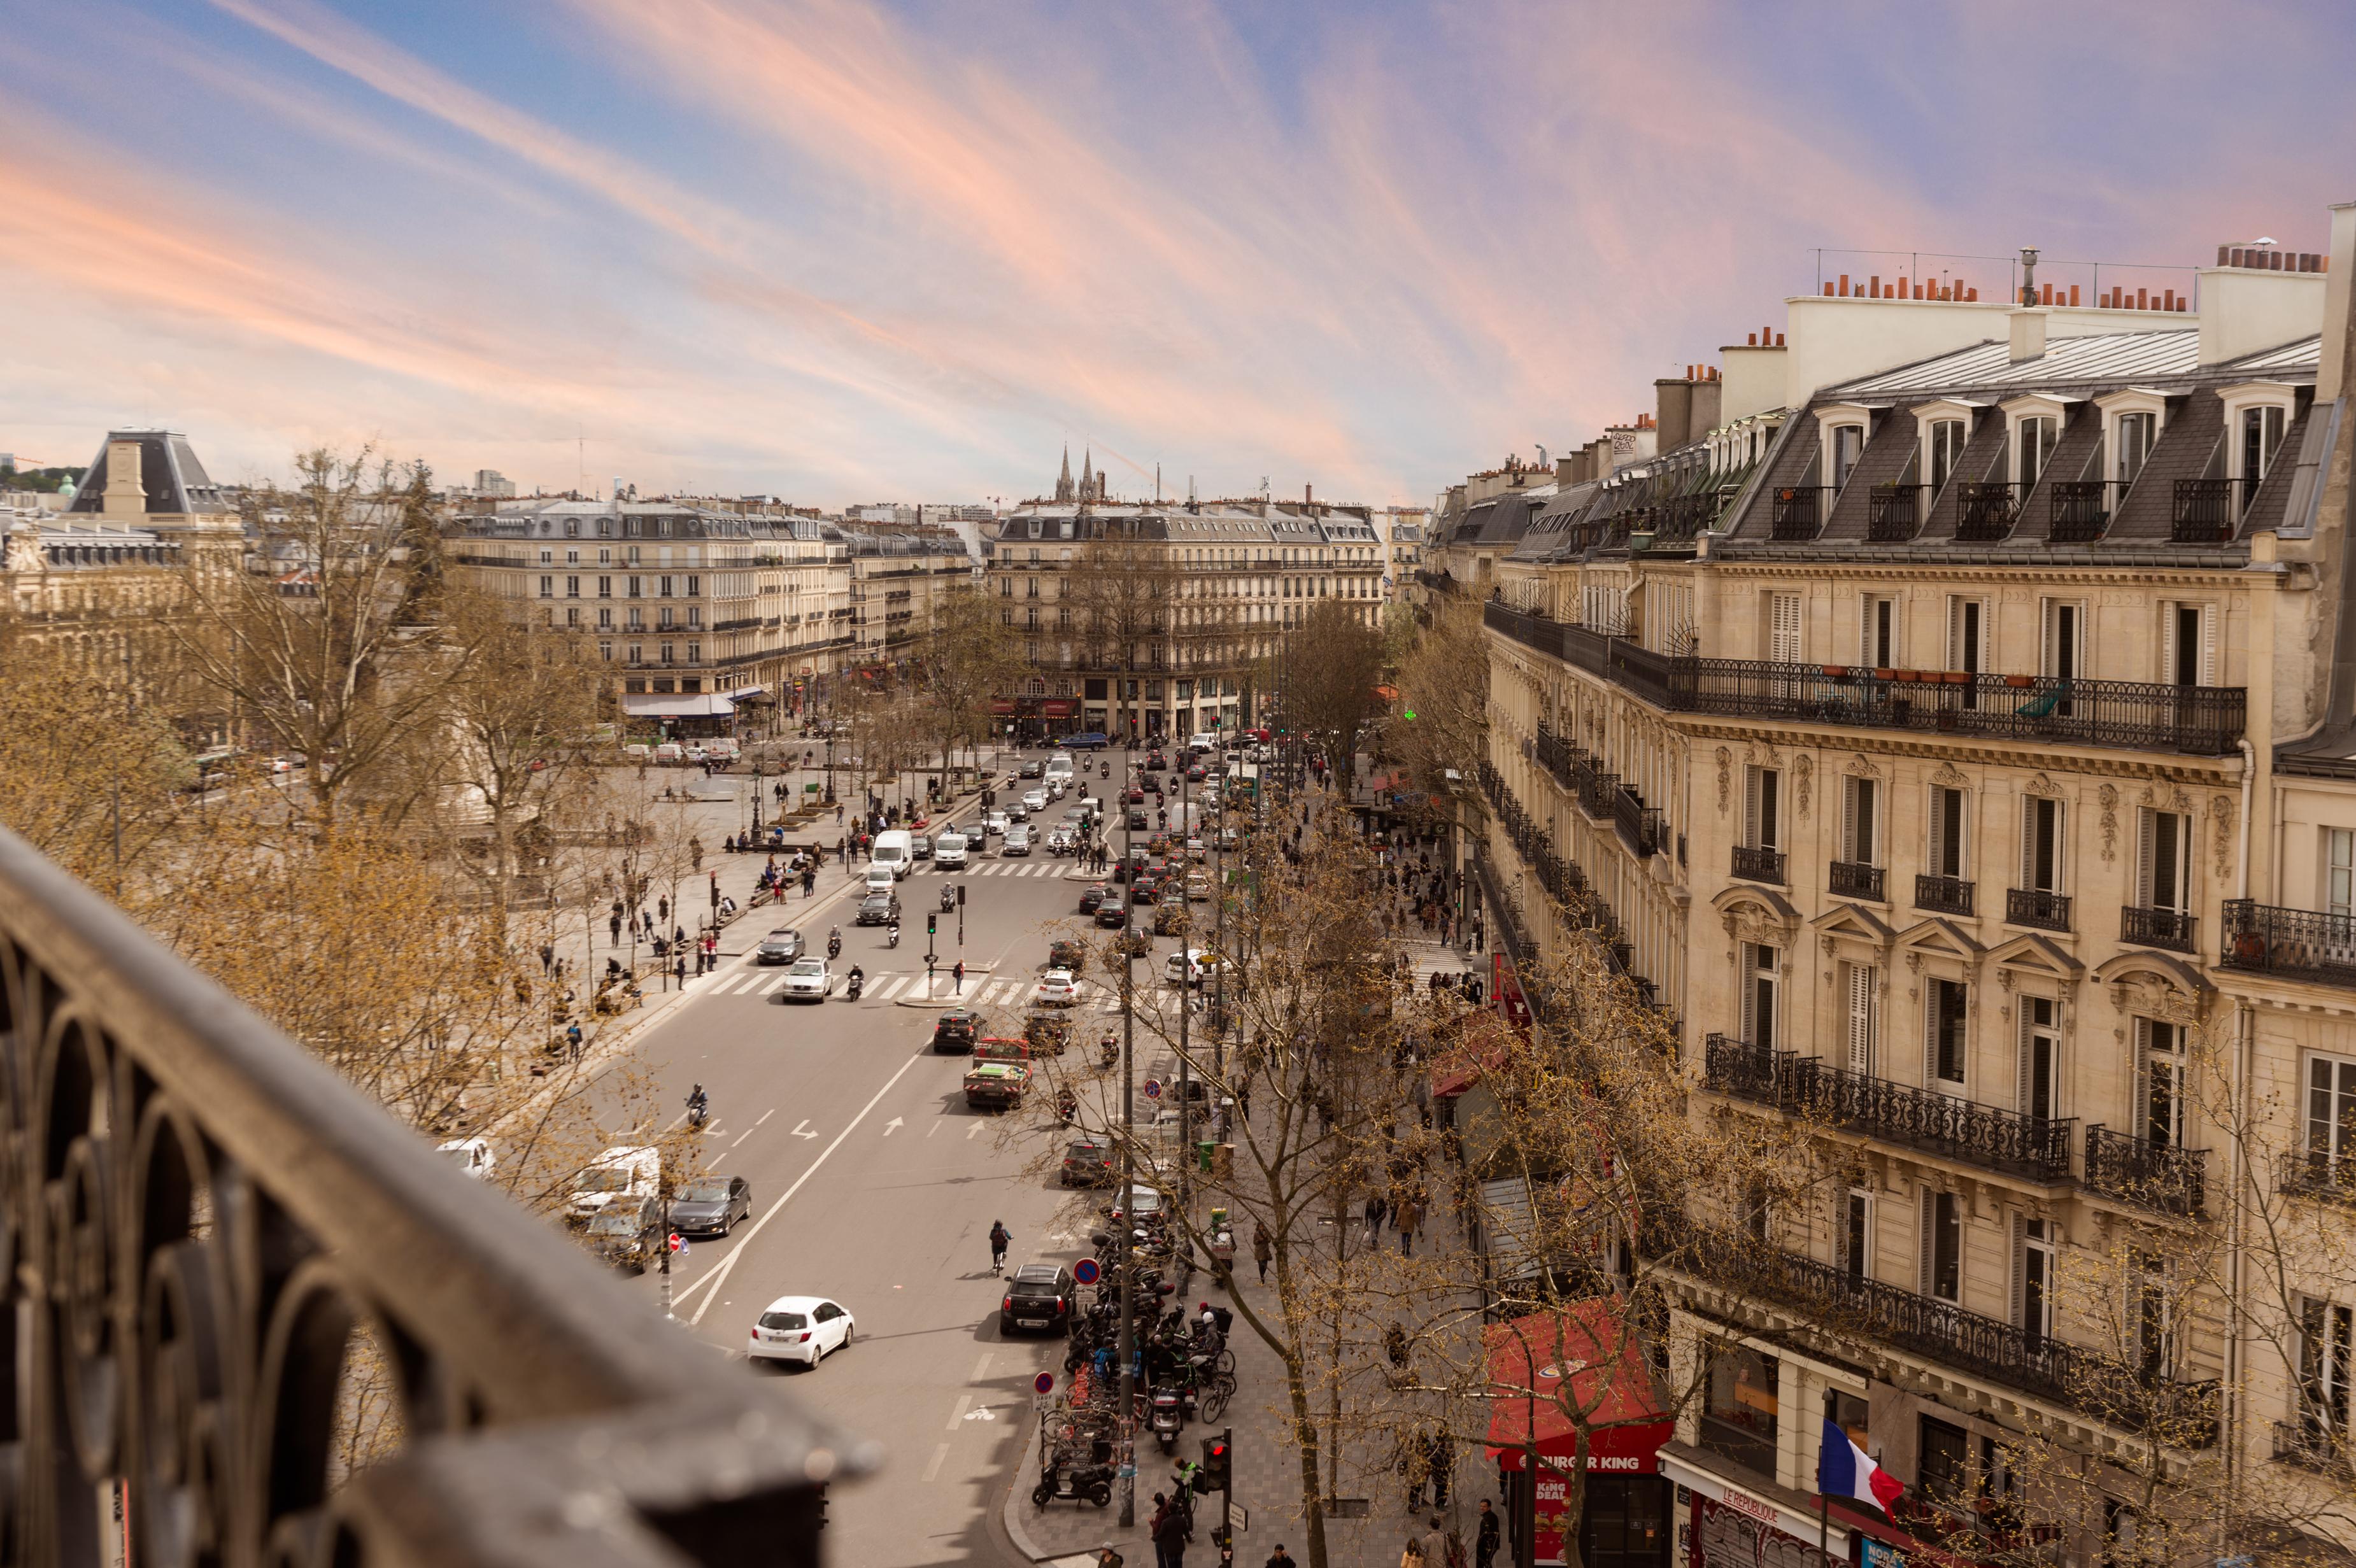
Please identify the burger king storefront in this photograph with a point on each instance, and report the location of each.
(1541, 1369)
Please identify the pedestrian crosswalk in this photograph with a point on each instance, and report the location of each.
(977, 991)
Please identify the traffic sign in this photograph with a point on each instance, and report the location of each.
(1043, 1383)
(1087, 1271)
(1153, 1088)
(678, 1243)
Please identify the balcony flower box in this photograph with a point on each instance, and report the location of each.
(1909, 676)
(1835, 672)
(1885, 674)
(1955, 676)
(2020, 680)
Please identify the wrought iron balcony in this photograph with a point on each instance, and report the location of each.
(1797, 512)
(2315, 1174)
(1893, 514)
(1683, 516)
(2168, 928)
(2303, 945)
(2037, 908)
(205, 1223)
(2206, 511)
(1855, 879)
(2157, 1176)
(2080, 510)
(1990, 510)
(2177, 1413)
(2314, 1443)
(1943, 895)
(1639, 825)
(1759, 865)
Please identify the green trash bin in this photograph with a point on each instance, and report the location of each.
(1202, 1151)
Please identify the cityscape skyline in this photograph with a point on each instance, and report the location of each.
(855, 251)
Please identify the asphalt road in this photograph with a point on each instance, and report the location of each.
(874, 1185)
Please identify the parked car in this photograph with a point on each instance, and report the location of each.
(1040, 1296)
(809, 980)
(803, 1329)
(627, 1235)
(711, 1205)
(624, 1172)
(1087, 1163)
(878, 909)
(782, 946)
(956, 1031)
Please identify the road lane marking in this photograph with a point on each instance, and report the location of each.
(964, 1404)
(982, 1367)
(934, 1128)
(933, 1469)
(746, 1133)
(798, 1132)
(890, 987)
(894, 1125)
(771, 1213)
(971, 1131)
(766, 1114)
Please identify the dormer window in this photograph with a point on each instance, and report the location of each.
(1943, 449)
(2032, 448)
(2255, 443)
(2136, 432)
(1848, 449)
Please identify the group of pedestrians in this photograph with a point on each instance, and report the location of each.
(1406, 1213)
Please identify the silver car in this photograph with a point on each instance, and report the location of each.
(808, 981)
(1018, 841)
(1034, 800)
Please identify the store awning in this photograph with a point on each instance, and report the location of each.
(671, 705)
(1546, 1365)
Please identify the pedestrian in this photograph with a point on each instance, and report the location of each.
(1375, 1210)
(572, 1040)
(547, 958)
(1441, 1458)
(1435, 1543)
(614, 926)
(1485, 1542)
(1412, 1554)
(1172, 1530)
(1410, 1220)
(838, 813)
(678, 971)
(662, 908)
(960, 976)
(1280, 1558)
(1262, 1249)
(999, 1238)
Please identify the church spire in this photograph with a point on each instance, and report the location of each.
(1064, 484)
(1088, 476)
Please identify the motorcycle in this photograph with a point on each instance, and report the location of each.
(1067, 1107)
(858, 983)
(1104, 770)
(699, 1111)
(948, 899)
(1091, 1482)
(834, 943)
(1168, 1416)
(892, 937)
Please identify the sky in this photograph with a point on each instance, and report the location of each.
(840, 252)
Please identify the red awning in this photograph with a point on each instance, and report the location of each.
(1001, 705)
(1528, 1360)
(1480, 1045)
(1056, 708)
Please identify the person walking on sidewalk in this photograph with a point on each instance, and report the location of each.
(1262, 1249)
(1485, 1542)
(1375, 1210)
(1172, 1530)
(999, 1239)
(1410, 1220)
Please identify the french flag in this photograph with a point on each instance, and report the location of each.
(1844, 1470)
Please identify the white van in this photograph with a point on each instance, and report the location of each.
(619, 1175)
(1059, 766)
(949, 852)
(894, 850)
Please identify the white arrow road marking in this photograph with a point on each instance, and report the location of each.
(771, 1213)
(800, 1133)
(971, 1130)
(894, 1125)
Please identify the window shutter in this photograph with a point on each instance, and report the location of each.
(1954, 634)
(2141, 1119)
(2028, 841)
(2207, 645)
(2023, 1085)
(2167, 644)
(1926, 1243)
(1850, 790)
(2020, 1270)
(1938, 858)
(1750, 807)
(1861, 978)
(1747, 957)
(1868, 612)
(2147, 839)
(1931, 1034)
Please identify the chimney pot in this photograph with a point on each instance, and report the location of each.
(2223, 251)
(1844, 284)
(2074, 293)
(1779, 340)
(1752, 341)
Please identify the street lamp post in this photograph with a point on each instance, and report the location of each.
(1120, 1204)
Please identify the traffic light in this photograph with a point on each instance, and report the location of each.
(932, 923)
(961, 895)
(1218, 1464)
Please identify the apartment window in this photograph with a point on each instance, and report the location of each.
(1006, 588)
(2040, 1057)
(571, 557)
(548, 587)
(2163, 859)
(605, 651)
(1942, 1467)
(547, 557)
(1947, 849)
(1860, 821)
(1855, 1241)
(2149, 1310)
(572, 588)
(2033, 1259)
(1967, 640)
(2261, 437)
(1848, 447)
(605, 588)
(1031, 587)
(663, 590)
(695, 587)
(2135, 435)
(1945, 1007)
(664, 617)
(638, 618)
(1006, 614)
(2324, 1331)
(2339, 872)
(2188, 645)
(2041, 823)
(1942, 1274)
(605, 531)
(1784, 634)
(1759, 983)
(2032, 449)
(670, 653)
(604, 619)
(695, 614)
(1740, 1407)
(1760, 815)
(573, 616)
(632, 551)
(695, 653)
(1031, 617)
(636, 586)
(1945, 450)
(1878, 647)
(1861, 982)
(2160, 1081)
(638, 652)
(2065, 639)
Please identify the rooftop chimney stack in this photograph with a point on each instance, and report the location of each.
(2028, 277)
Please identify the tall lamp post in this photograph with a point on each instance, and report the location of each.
(1128, 1188)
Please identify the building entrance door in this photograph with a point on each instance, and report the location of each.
(1626, 1522)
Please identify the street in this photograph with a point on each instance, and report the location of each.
(874, 1185)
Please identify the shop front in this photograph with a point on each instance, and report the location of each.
(679, 716)
(1744, 1522)
(1544, 1369)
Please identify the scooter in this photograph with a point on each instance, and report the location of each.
(892, 938)
(1067, 1107)
(1091, 1482)
(948, 899)
(699, 1111)
(858, 983)
(834, 944)
(1108, 1051)
(1168, 1416)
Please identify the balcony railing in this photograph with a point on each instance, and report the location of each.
(1759, 865)
(2168, 928)
(1797, 513)
(2079, 511)
(1639, 826)
(2303, 945)
(2206, 511)
(2312, 1444)
(1855, 879)
(2037, 1148)
(2037, 908)
(1990, 508)
(1683, 516)
(2199, 720)
(2157, 1176)
(2315, 1173)
(1943, 895)
(205, 1221)
(2179, 1413)
(1893, 514)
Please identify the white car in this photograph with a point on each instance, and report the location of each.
(1056, 989)
(880, 878)
(1200, 961)
(1034, 800)
(808, 981)
(472, 1156)
(994, 823)
(800, 1329)
(626, 1171)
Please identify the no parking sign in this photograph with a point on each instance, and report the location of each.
(1087, 1271)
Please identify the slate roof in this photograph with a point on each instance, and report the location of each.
(175, 482)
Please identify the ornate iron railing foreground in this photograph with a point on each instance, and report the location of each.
(198, 1218)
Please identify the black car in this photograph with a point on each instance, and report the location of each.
(1170, 918)
(1136, 942)
(1143, 891)
(1032, 770)
(711, 1205)
(1154, 762)
(1093, 898)
(1109, 916)
(956, 1031)
(1040, 1296)
(782, 946)
(1137, 823)
(1194, 774)
(1065, 953)
(1087, 1163)
(920, 848)
(628, 1234)
(878, 909)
